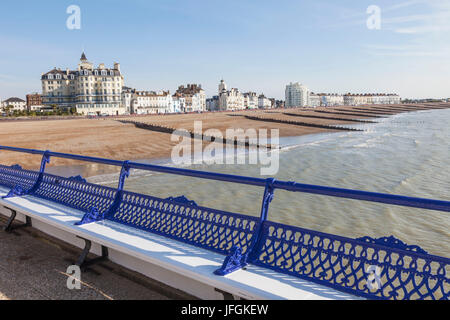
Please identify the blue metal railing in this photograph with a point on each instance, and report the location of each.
(405, 201)
(283, 248)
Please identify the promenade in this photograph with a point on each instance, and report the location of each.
(33, 266)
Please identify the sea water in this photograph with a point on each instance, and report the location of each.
(405, 154)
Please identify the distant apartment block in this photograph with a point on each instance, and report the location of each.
(315, 100)
(194, 98)
(250, 100)
(212, 104)
(263, 102)
(296, 95)
(371, 98)
(325, 99)
(16, 104)
(34, 101)
(92, 91)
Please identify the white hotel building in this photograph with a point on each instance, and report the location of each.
(234, 100)
(263, 102)
(371, 98)
(251, 100)
(150, 102)
(230, 99)
(92, 91)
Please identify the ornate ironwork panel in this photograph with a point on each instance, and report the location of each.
(75, 193)
(184, 221)
(362, 267)
(13, 176)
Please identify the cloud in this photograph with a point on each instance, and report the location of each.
(403, 5)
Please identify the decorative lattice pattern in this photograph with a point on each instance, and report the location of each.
(75, 193)
(203, 227)
(358, 267)
(16, 176)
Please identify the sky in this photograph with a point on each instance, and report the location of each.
(254, 45)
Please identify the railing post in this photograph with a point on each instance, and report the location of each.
(235, 259)
(267, 199)
(44, 161)
(94, 215)
(17, 191)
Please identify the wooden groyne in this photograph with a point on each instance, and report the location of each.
(374, 109)
(350, 114)
(194, 135)
(365, 111)
(410, 109)
(326, 118)
(396, 110)
(303, 124)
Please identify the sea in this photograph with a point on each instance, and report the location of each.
(404, 154)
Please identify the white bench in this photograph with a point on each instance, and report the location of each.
(174, 263)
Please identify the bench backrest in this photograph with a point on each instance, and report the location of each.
(74, 192)
(16, 176)
(383, 268)
(183, 220)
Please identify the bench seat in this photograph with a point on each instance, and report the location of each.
(189, 261)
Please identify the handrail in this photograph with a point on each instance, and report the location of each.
(423, 203)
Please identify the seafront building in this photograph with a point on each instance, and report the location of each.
(16, 104)
(127, 97)
(315, 100)
(325, 99)
(234, 100)
(34, 101)
(193, 97)
(212, 104)
(251, 100)
(92, 91)
(297, 95)
(230, 100)
(151, 102)
(263, 102)
(372, 98)
(178, 104)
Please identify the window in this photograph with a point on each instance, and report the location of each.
(50, 76)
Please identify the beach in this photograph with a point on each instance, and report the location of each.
(111, 138)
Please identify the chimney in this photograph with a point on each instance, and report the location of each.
(117, 66)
